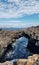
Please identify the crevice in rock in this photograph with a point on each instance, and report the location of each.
(6, 50)
(32, 46)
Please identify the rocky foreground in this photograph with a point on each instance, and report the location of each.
(32, 60)
(8, 37)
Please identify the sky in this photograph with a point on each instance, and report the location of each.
(19, 13)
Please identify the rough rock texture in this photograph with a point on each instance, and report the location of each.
(33, 41)
(7, 63)
(37, 62)
(32, 60)
(7, 37)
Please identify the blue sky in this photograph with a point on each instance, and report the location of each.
(19, 13)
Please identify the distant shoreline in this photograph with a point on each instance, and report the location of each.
(12, 28)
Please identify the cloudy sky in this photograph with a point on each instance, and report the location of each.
(19, 13)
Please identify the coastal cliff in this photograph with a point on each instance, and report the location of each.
(7, 37)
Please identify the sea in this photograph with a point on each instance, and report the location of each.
(12, 28)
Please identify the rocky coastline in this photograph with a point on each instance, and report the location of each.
(8, 37)
(31, 60)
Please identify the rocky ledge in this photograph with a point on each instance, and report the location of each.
(32, 60)
(8, 37)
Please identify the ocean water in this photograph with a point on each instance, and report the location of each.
(12, 28)
(19, 50)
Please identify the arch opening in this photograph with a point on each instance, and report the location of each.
(17, 50)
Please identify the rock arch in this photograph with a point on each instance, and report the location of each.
(7, 37)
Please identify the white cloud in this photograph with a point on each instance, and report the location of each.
(18, 8)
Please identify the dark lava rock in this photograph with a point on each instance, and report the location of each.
(32, 46)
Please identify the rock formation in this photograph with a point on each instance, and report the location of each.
(32, 60)
(7, 63)
(8, 37)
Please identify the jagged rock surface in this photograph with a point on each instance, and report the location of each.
(7, 63)
(32, 60)
(8, 37)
